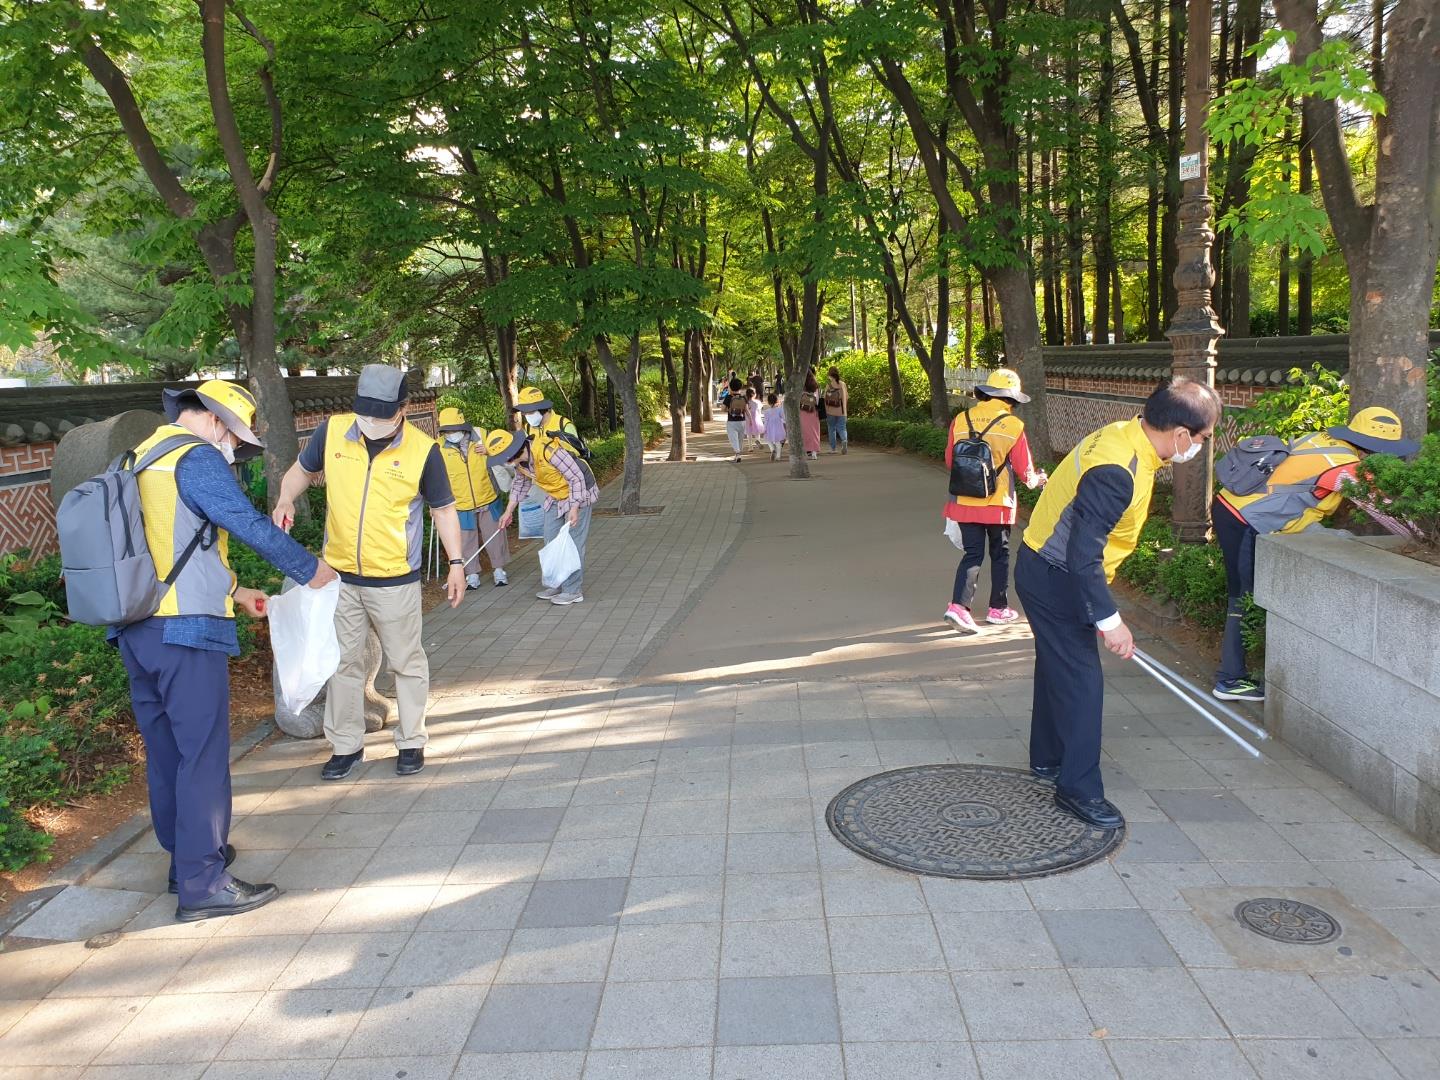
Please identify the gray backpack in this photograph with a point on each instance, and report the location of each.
(1248, 469)
(105, 561)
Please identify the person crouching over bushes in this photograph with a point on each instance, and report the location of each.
(476, 498)
(991, 442)
(570, 495)
(377, 471)
(1271, 486)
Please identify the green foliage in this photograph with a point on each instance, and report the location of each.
(479, 401)
(1192, 575)
(989, 347)
(1312, 401)
(923, 439)
(868, 378)
(1408, 491)
(652, 398)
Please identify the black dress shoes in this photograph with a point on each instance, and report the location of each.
(410, 762)
(234, 898)
(1046, 772)
(229, 850)
(1097, 812)
(341, 765)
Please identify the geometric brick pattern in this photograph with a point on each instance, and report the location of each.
(27, 520)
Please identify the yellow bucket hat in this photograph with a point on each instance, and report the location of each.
(1004, 383)
(503, 445)
(232, 403)
(1375, 429)
(532, 399)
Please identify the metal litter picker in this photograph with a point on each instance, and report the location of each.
(1192, 695)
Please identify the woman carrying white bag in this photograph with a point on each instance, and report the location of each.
(545, 462)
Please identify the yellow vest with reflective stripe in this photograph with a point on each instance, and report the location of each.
(1295, 470)
(468, 472)
(205, 585)
(1124, 444)
(1001, 439)
(548, 478)
(372, 508)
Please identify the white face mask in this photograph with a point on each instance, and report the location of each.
(221, 442)
(372, 428)
(1190, 451)
(454, 438)
(534, 418)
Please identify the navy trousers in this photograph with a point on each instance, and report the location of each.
(1237, 545)
(1069, 685)
(975, 537)
(181, 700)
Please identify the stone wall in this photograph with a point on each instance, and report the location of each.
(34, 419)
(1352, 668)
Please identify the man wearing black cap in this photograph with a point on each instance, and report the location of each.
(377, 471)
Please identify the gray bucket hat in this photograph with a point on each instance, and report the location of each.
(379, 391)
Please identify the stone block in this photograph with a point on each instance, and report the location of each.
(1367, 771)
(89, 448)
(1405, 631)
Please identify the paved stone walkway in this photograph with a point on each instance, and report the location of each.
(634, 880)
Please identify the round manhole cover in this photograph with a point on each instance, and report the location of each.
(965, 821)
(1289, 921)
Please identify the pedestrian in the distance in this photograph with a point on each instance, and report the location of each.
(757, 383)
(1088, 520)
(774, 427)
(736, 412)
(779, 383)
(837, 408)
(754, 428)
(477, 499)
(985, 520)
(810, 416)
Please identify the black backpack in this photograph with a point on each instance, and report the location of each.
(574, 442)
(973, 471)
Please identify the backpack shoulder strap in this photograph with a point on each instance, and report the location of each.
(160, 449)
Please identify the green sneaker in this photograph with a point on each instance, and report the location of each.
(1239, 690)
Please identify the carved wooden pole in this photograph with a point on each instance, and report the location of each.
(1194, 331)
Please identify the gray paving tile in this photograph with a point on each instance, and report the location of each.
(1098, 885)
(379, 909)
(771, 853)
(342, 961)
(779, 1063)
(773, 896)
(1108, 939)
(1154, 841)
(1417, 928)
(487, 906)
(173, 1028)
(1085, 1060)
(317, 1069)
(656, 1014)
(234, 964)
(409, 864)
(679, 856)
(519, 826)
(1272, 1004)
(449, 958)
(26, 974)
(946, 894)
(1414, 1059)
(694, 898)
(602, 858)
(1157, 885)
(78, 912)
(905, 1061)
(1202, 1059)
(770, 815)
(898, 1008)
(542, 1065)
(131, 967)
(594, 902)
(438, 1018)
(1395, 883)
(334, 830)
(995, 940)
(666, 951)
(600, 822)
(789, 1010)
(297, 1024)
(88, 1025)
(688, 1063)
(1204, 806)
(558, 955)
(1017, 1005)
(775, 947)
(872, 892)
(529, 1018)
(1342, 840)
(1316, 1059)
(321, 868)
(1233, 841)
(1134, 1003)
(885, 943)
(480, 863)
(1400, 1005)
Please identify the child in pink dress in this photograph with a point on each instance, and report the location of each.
(753, 428)
(774, 427)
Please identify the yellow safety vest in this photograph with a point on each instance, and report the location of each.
(469, 474)
(548, 478)
(1124, 444)
(205, 585)
(1298, 507)
(1001, 439)
(372, 507)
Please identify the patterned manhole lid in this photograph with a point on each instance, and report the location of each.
(965, 821)
(1289, 921)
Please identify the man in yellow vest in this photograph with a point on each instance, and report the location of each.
(177, 660)
(570, 495)
(378, 471)
(1302, 490)
(476, 498)
(1087, 521)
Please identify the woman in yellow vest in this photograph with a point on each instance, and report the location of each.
(1302, 491)
(476, 498)
(570, 495)
(378, 472)
(1087, 521)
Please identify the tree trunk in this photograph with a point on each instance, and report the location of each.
(707, 380)
(864, 323)
(1023, 352)
(1119, 302)
(589, 405)
(969, 349)
(272, 400)
(675, 389)
(892, 351)
(624, 379)
(1104, 248)
(1169, 249)
(939, 393)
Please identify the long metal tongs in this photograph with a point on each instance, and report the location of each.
(1178, 685)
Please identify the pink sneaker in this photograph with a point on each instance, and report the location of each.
(961, 619)
(1002, 615)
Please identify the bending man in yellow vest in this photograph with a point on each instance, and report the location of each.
(1302, 490)
(377, 471)
(570, 495)
(477, 498)
(177, 660)
(1087, 521)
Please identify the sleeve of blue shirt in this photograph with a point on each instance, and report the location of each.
(312, 457)
(435, 481)
(1104, 493)
(210, 489)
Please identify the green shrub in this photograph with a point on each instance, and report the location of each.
(1408, 491)
(480, 402)
(653, 400)
(990, 348)
(19, 573)
(867, 377)
(1312, 401)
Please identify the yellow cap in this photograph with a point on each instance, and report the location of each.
(532, 399)
(1378, 430)
(1004, 383)
(503, 445)
(452, 419)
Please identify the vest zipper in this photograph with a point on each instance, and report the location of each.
(360, 525)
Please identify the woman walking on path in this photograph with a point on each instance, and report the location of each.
(736, 411)
(986, 520)
(810, 416)
(754, 429)
(774, 427)
(837, 408)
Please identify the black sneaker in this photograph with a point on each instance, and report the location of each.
(234, 898)
(341, 765)
(1239, 690)
(1097, 812)
(410, 762)
(229, 850)
(1046, 772)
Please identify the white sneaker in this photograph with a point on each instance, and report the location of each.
(501, 578)
(565, 598)
(547, 594)
(472, 581)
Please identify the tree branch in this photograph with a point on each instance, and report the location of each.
(272, 99)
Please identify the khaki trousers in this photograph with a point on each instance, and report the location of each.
(471, 540)
(394, 611)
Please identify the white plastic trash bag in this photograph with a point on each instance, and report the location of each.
(559, 559)
(952, 533)
(532, 520)
(302, 637)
